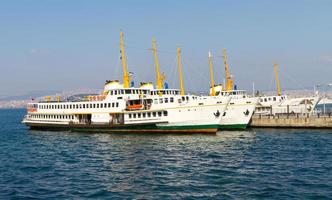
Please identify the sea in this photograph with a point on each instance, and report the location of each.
(251, 164)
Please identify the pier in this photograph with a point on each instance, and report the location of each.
(292, 121)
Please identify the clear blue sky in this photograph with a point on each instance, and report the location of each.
(62, 45)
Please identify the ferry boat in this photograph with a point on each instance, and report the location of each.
(241, 106)
(282, 104)
(121, 108)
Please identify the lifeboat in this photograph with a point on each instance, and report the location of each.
(138, 104)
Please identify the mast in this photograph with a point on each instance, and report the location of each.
(275, 66)
(159, 77)
(229, 81)
(126, 77)
(180, 70)
(213, 92)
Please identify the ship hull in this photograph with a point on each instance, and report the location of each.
(147, 128)
(238, 115)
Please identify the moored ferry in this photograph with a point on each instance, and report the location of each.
(241, 107)
(130, 109)
(282, 104)
(121, 108)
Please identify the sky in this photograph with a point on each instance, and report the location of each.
(56, 45)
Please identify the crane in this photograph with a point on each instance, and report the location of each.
(229, 80)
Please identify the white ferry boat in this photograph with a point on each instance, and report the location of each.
(272, 105)
(282, 104)
(121, 108)
(241, 106)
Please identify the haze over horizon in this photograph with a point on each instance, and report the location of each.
(63, 45)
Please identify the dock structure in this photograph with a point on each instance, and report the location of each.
(292, 121)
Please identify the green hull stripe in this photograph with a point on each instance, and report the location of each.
(211, 128)
(232, 127)
(189, 127)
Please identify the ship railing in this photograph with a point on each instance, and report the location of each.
(292, 115)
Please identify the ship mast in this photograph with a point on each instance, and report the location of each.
(159, 77)
(213, 92)
(126, 77)
(275, 66)
(229, 81)
(180, 70)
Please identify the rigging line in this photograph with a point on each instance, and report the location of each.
(174, 74)
(272, 79)
(289, 77)
(150, 49)
(194, 72)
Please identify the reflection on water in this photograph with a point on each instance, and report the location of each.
(252, 164)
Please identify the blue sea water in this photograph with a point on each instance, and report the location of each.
(253, 164)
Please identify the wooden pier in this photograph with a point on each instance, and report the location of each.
(292, 121)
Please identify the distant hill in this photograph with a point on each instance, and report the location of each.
(29, 95)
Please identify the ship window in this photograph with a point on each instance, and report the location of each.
(109, 105)
(138, 115)
(112, 104)
(97, 105)
(129, 115)
(117, 104)
(154, 114)
(160, 100)
(165, 113)
(144, 115)
(274, 98)
(187, 98)
(159, 114)
(83, 105)
(265, 99)
(111, 92)
(115, 92)
(128, 91)
(105, 105)
(155, 101)
(269, 98)
(101, 105)
(171, 99)
(183, 98)
(166, 100)
(134, 115)
(149, 114)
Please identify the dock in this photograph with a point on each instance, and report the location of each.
(307, 120)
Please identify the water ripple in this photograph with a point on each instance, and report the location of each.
(254, 164)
